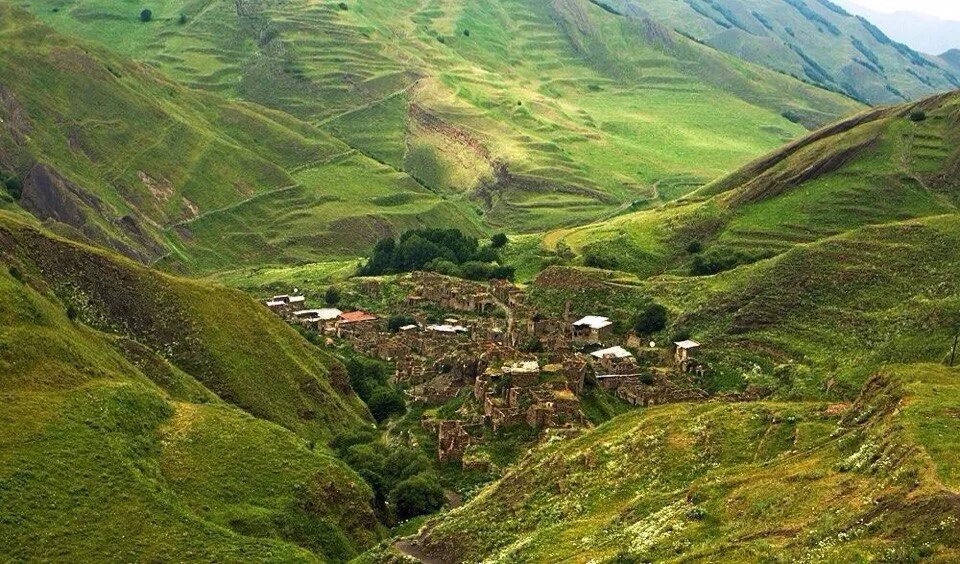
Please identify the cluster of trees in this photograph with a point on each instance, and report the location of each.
(447, 251)
(370, 381)
(403, 480)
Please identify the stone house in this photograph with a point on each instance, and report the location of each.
(591, 329)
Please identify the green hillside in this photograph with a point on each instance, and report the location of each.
(129, 406)
(881, 166)
(814, 40)
(129, 160)
(538, 114)
(733, 482)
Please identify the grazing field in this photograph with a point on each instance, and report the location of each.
(805, 481)
(883, 166)
(538, 113)
(129, 406)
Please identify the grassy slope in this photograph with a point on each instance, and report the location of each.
(733, 482)
(873, 168)
(807, 39)
(136, 146)
(540, 87)
(101, 433)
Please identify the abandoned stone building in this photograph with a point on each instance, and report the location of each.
(592, 329)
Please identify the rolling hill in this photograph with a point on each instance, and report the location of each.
(881, 166)
(111, 152)
(841, 241)
(731, 482)
(816, 40)
(830, 434)
(519, 113)
(128, 406)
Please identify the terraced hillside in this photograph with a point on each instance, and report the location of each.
(802, 481)
(129, 406)
(541, 113)
(881, 166)
(112, 152)
(815, 40)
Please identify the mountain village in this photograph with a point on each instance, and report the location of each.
(517, 365)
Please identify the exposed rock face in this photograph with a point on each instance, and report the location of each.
(51, 197)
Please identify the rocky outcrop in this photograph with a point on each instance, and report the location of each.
(51, 197)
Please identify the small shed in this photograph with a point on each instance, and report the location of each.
(684, 350)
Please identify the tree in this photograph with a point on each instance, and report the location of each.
(146, 15)
(332, 296)
(183, 18)
(918, 115)
(499, 240)
(385, 402)
(652, 319)
(397, 321)
(418, 495)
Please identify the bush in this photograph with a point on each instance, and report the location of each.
(694, 247)
(385, 402)
(499, 240)
(397, 321)
(342, 5)
(466, 33)
(650, 320)
(183, 18)
(418, 495)
(716, 260)
(332, 296)
(146, 15)
(918, 115)
(594, 260)
(71, 313)
(15, 273)
(13, 185)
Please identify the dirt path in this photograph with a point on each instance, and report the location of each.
(410, 546)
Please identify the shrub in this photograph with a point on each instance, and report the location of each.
(918, 116)
(71, 313)
(594, 260)
(15, 273)
(183, 18)
(694, 247)
(342, 5)
(418, 495)
(13, 186)
(385, 402)
(466, 33)
(680, 334)
(532, 345)
(332, 296)
(652, 319)
(397, 321)
(499, 240)
(717, 260)
(146, 15)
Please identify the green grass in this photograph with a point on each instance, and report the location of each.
(835, 50)
(597, 114)
(727, 482)
(167, 437)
